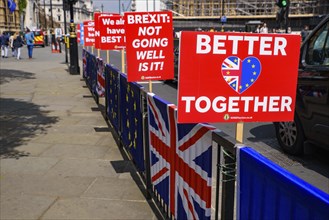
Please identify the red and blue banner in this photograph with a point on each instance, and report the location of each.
(84, 63)
(132, 120)
(100, 87)
(267, 191)
(112, 92)
(181, 159)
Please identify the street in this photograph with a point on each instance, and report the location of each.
(313, 166)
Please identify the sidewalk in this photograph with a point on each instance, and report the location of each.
(59, 159)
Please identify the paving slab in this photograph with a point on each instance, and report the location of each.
(86, 208)
(44, 185)
(24, 206)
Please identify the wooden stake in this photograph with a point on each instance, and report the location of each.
(239, 132)
(122, 61)
(150, 85)
(92, 50)
(98, 53)
(108, 57)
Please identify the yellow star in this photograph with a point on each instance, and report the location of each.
(253, 66)
(240, 87)
(249, 60)
(252, 80)
(254, 73)
(235, 61)
(247, 85)
(228, 72)
(233, 85)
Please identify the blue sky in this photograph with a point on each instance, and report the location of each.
(111, 5)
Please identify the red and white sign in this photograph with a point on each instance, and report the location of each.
(98, 27)
(97, 31)
(149, 45)
(78, 32)
(89, 33)
(112, 31)
(237, 77)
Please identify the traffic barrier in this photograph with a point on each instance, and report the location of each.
(112, 95)
(90, 73)
(275, 192)
(145, 124)
(100, 82)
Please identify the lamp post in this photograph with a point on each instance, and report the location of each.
(65, 31)
(74, 59)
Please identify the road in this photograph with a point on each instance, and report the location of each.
(313, 166)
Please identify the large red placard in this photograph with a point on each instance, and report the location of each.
(112, 31)
(237, 77)
(98, 27)
(89, 33)
(149, 45)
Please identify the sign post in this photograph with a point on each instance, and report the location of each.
(237, 77)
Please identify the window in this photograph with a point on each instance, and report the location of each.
(58, 17)
(318, 48)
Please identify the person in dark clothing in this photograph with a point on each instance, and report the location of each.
(4, 42)
(17, 44)
(304, 32)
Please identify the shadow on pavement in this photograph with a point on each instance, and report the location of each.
(20, 121)
(8, 75)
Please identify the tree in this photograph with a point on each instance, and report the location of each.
(21, 5)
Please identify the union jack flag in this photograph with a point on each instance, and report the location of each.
(100, 88)
(181, 158)
(240, 75)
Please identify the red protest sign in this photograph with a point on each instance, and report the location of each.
(112, 31)
(98, 27)
(78, 32)
(149, 45)
(89, 33)
(237, 77)
(97, 31)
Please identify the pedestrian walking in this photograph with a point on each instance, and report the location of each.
(29, 38)
(17, 44)
(11, 45)
(4, 42)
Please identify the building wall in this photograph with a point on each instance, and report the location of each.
(9, 21)
(147, 5)
(39, 11)
(244, 8)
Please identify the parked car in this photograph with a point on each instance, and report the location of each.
(311, 121)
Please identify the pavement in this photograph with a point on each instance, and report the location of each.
(59, 158)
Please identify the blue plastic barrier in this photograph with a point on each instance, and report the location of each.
(132, 120)
(267, 191)
(112, 95)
